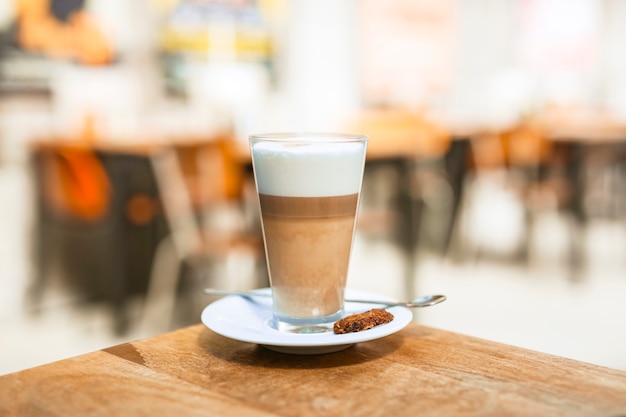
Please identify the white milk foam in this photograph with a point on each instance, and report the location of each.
(314, 169)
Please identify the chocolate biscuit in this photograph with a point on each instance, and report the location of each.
(362, 321)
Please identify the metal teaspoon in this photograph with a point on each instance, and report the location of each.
(423, 301)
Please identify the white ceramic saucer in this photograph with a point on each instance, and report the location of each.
(247, 320)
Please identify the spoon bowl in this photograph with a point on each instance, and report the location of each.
(419, 302)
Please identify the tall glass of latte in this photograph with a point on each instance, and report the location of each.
(309, 187)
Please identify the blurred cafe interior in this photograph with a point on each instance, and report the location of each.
(496, 167)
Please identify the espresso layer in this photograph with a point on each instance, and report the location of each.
(308, 207)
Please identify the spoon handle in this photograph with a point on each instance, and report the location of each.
(428, 301)
(213, 291)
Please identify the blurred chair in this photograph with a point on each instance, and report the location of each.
(589, 167)
(204, 205)
(73, 201)
(84, 229)
(509, 187)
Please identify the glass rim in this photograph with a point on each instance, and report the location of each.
(308, 137)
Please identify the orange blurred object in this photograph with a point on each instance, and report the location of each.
(400, 132)
(79, 38)
(215, 162)
(141, 209)
(523, 145)
(76, 184)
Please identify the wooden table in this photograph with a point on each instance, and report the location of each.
(417, 371)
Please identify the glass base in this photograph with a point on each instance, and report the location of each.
(308, 325)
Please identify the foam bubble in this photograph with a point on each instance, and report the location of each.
(315, 168)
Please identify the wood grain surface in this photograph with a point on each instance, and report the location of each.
(418, 371)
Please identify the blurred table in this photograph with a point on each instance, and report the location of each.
(413, 156)
(418, 371)
(590, 147)
(399, 144)
(99, 214)
(561, 154)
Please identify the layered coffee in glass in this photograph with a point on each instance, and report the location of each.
(308, 187)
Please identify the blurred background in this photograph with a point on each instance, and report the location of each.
(496, 170)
